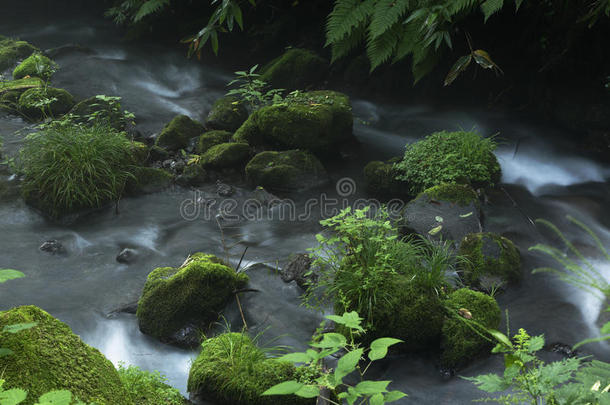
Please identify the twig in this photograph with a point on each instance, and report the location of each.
(241, 312)
(518, 207)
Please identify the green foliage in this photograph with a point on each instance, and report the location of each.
(16, 396)
(36, 65)
(326, 344)
(148, 388)
(45, 102)
(10, 274)
(531, 380)
(461, 157)
(72, 167)
(252, 90)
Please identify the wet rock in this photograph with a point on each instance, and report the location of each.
(177, 165)
(68, 49)
(178, 132)
(265, 198)
(127, 256)
(295, 69)
(227, 114)
(29, 102)
(130, 308)
(53, 246)
(157, 153)
(562, 349)
(192, 175)
(297, 269)
(224, 190)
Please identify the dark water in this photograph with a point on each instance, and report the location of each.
(546, 178)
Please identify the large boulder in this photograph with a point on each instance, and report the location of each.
(227, 114)
(50, 357)
(231, 370)
(286, 170)
(226, 155)
(295, 69)
(37, 103)
(212, 138)
(178, 132)
(318, 121)
(10, 92)
(447, 212)
(35, 65)
(12, 51)
(460, 343)
(492, 260)
(181, 300)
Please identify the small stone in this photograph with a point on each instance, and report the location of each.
(52, 246)
(127, 256)
(224, 190)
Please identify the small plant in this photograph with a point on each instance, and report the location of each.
(329, 384)
(461, 157)
(16, 396)
(253, 90)
(148, 388)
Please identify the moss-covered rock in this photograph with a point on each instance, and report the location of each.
(102, 108)
(381, 180)
(37, 103)
(212, 138)
(149, 388)
(231, 370)
(192, 294)
(317, 121)
(192, 175)
(295, 69)
(406, 311)
(226, 155)
(459, 343)
(35, 65)
(50, 357)
(447, 212)
(227, 114)
(492, 260)
(286, 170)
(148, 180)
(12, 51)
(139, 151)
(178, 132)
(20, 85)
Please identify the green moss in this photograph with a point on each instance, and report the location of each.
(37, 103)
(177, 134)
(50, 357)
(227, 114)
(449, 157)
(35, 65)
(139, 151)
(460, 194)
(192, 175)
(226, 155)
(12, 51)
(489, 255)
(381, 180)
(231, 370)
(212, 138)
(316, 121)
(407, 311)
(149, 388)
(21, 84)
(148, 180)
(295, 69)
(292, 169)
(460, 344)
(194, 292)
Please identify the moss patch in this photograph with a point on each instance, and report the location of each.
(149, 388)
(295, 69)
(35, 65)
(381, 180)
(148, 180)
(460, 344)
(460, 194)
(212, 138)
(226, 155)
(194, 292)
(178, 132)
(12, 51)
(490, 256)
(232, 370)
(37, 103)
(50, 357)
(227, 114)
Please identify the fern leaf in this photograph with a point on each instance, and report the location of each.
(458, 6)
(345, 45)
(490, 7)
(345, 17)
(150, 7)
(381, 49)
(409, 38)
(387, 13)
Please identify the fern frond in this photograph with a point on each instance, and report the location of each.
(345, 45)
(386, 14)
(409, 38)
(380, 49)
(150, 7)
(490, 7)
(458, 6)
(345, 17)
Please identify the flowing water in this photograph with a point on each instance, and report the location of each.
(545, 178)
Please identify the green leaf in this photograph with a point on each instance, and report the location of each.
(458, 67)
(489, 382)
(10, 274)
(12, 397)
(285, 388)
(379, 347)
(296, 357)
(18, 327)
(377, 399)
(466, 215)
(308, 391)
(59, 397)
(347, 364)
(438, 219)
(435, 230)
(500, 337)
(371, 387)
(394, 396)
(536, 343)
(5, 352)
(349, 319)
(330, 340)
(490, 7)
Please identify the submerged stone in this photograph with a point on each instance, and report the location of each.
(178, 132)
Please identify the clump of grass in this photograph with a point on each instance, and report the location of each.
(73, 167)
(148, 388)
(461, 157)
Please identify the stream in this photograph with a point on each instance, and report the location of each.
(546, 177)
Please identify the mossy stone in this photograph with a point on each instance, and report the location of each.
(35, 65)
(148, 180)
(212, 138)
(295, 69)
(459, 343)
(29, 102)
(380, 178)
(317, 121)
(49, 357)
(227, 114)
(192, 293)
(102, 108)
(178, 132)
(286, 170)
(139, 151)
(192, 175)
(460, 194)
(12, 51)
(491, 259)
(226, 155)
(231, 370)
